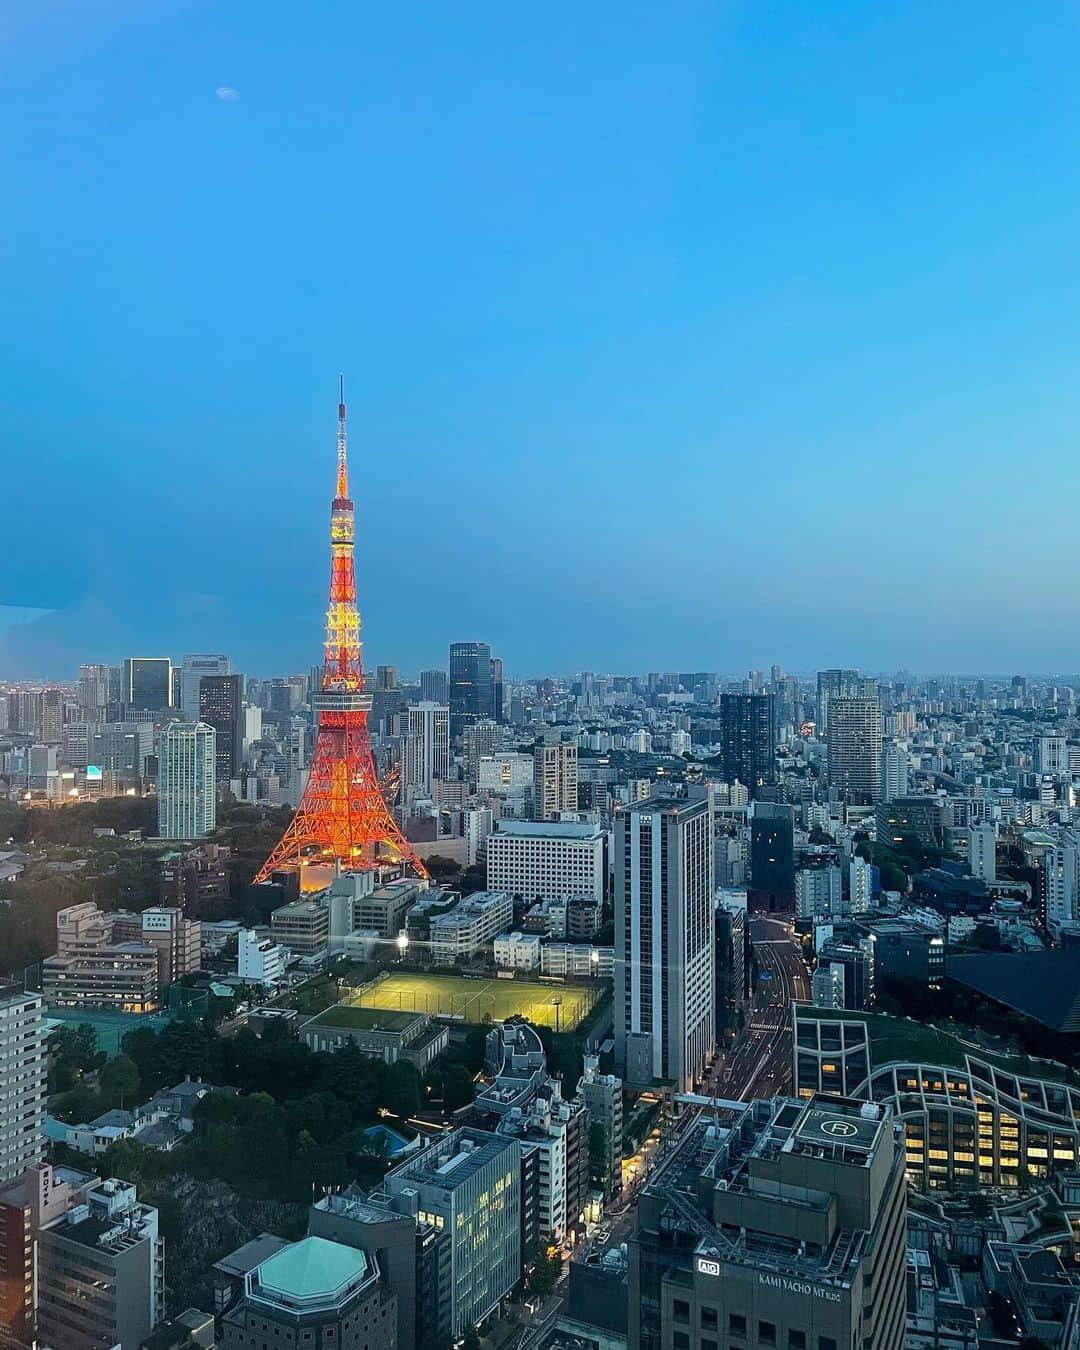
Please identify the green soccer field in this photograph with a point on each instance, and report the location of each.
(561, 1006)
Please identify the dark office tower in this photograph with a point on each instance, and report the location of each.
(772, 858)
(855, 748)
(472, 697)
(747, 740)
(833, 684)
(146, 683)
(434, 686)
(498, 689)
(385, 678)
(221, 698)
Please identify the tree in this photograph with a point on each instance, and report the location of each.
(120, 1082)
(402, 1088)
(471, 1339)
(458, 1087)
(441, 868)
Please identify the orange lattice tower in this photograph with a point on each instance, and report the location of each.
(342, 816)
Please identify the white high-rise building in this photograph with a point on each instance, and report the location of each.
(555, 779)
(982, 854)
(1052, 755)
(427, 745)
(187, 792)
(860, 883)
(93, 692)
(191, 672)
(1062, 865)
(895, 767)
(665, 1020)
(22, 1084)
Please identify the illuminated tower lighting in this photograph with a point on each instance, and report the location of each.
(343, 816)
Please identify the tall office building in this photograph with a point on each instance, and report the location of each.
(191, 672)
(219, 704)
(187, 796)
(22, 1083)
(500, 703)
(834, 684)
(472, 693)
(555, 779)
(146, 683)
(427, 745)
(782, 1230)
(466, 1186)
(665, 1019)
(93, 692)
(855, 748)
(434, 686)
(772, 858)
(747, 740)
(895, 771)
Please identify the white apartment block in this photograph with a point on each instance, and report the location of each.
(555, 779)
(518, 951)
(469, 927)
(22, 1084)
(187, 790)
(259, 960)
(982, 853)
(546, 860)
(577, 960)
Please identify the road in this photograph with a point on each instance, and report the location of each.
(759, 1063)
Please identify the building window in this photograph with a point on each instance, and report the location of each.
(766, 1333)
(680, 1310)
(796, 1340)
(680, 1340)
(826, 1343)
(708, 1317)
(736, 1324)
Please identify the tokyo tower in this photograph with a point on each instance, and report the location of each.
(342, 816)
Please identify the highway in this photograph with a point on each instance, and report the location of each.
(759, 1063)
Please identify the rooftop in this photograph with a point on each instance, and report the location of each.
(364, 1019)
(1044, 986)
(452, 1160)
(311, 1273)
(546, 829)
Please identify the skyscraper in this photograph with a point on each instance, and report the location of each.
(664, 987)
(192, 671)
(434, 686)
(472, 693)
(22, 1083)
(833, 684)
(747, 740)
(93, 696)
(855, 748)
(427, 745)
(555, 779)
(772, 858)
(220, 705)
(895, 766)
(146, 683)
(187, 800)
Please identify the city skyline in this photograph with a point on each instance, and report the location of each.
(668, 341)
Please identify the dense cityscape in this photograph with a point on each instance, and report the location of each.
(566, 835)
(654, 1010)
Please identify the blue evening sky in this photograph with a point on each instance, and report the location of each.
(675, 335)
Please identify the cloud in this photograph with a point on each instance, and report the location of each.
(227, 94)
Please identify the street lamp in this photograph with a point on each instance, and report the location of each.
(403, 942)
